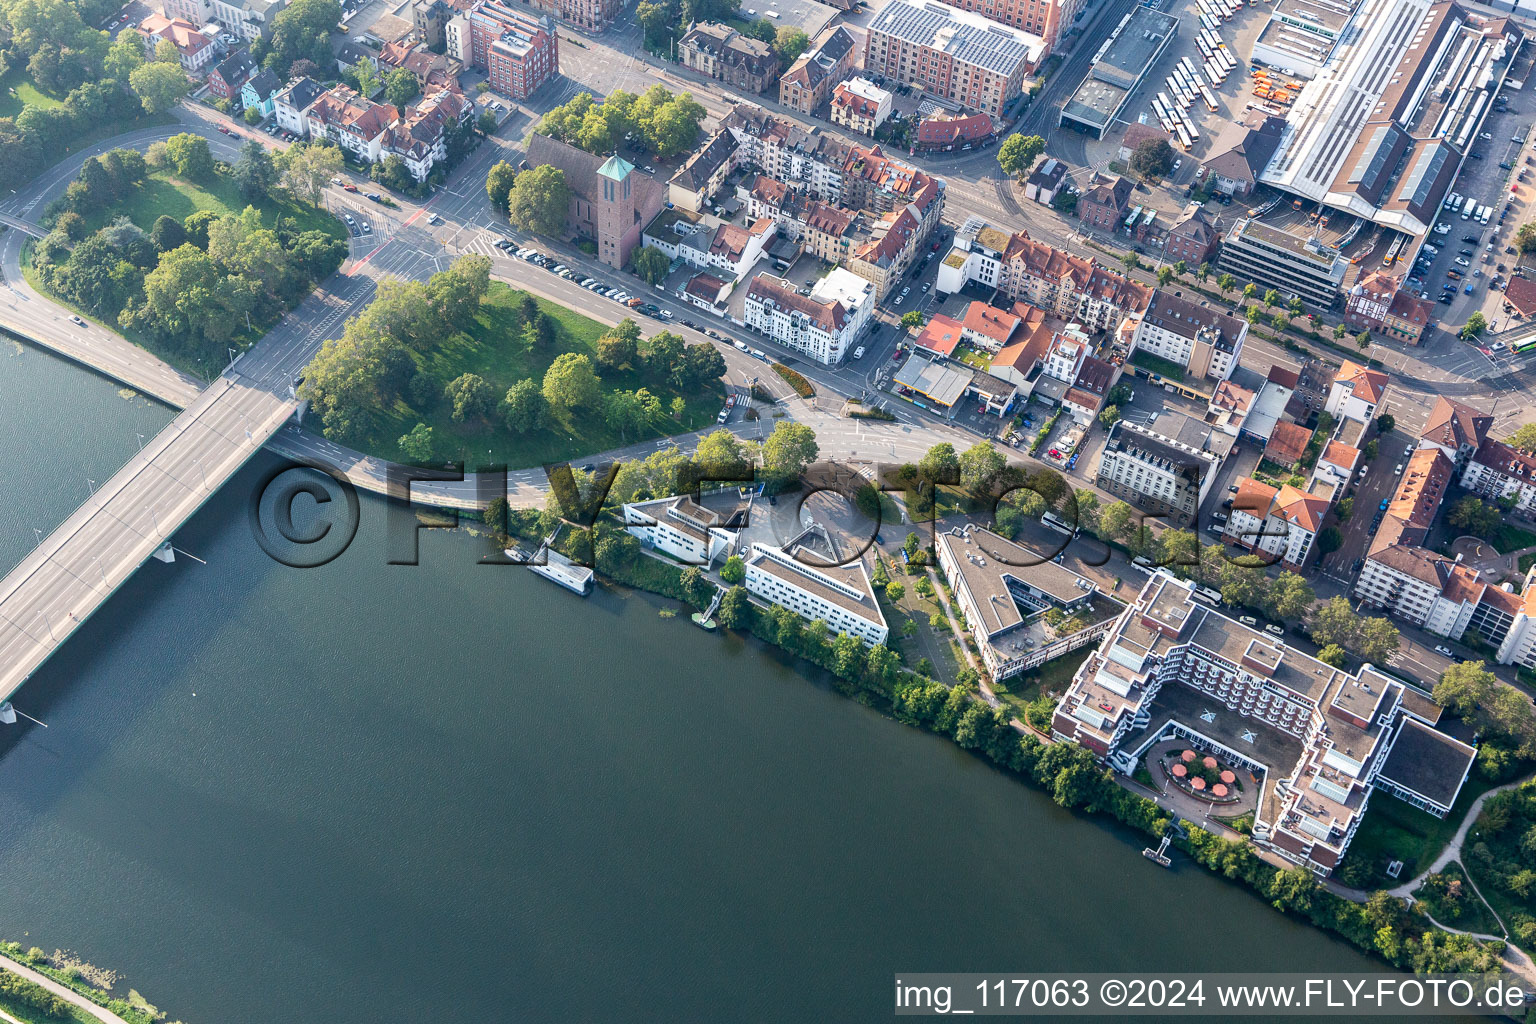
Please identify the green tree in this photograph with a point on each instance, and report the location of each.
(733, 571)
(1018, 153)
(1226, 282)
(1153, 158)
(570, 384)
(1334, 623)
(791, 43)
(124, 55)
(1524, 438)
(1117, 520)
(1329, 540)
(1130, 261)
(540, 200)
(254, 173)
(1164, 275)
(1378, 640)
(472, 397)
(1385, 422)
(735, 609)
(1289, 597)
(190, 155)
(980, 465)
(166, 234)
(911, 319)
(307, 168)
(894, 591)
(789, 449)
(1339, 330)
(498, 184)
(650, 263)
(158, 86)
(720, 456)
(301, 31)
(1333, 655)
(1363, 340)
(1475, 516)
(1270, 298)
(1253, 316)
(619, 347)
(1476, 324)
(939, 463)
(524, 406)
(400, 87)
(1109, 416)
(417, 445)
(1525, 238)
(1249, 290)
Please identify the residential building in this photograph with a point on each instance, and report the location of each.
(1018, 361)
(431, 17)
(248, 19)
(680, 527)
(350, 54)
(458, 40)
(810, 79)
(956, 55)
(357, 125)
(198, 12)
(820, 327)
(722, 53)
(1281, 523)
(941, 131)
(1048, 19)
(1104, 203)
(697, 183)
(1399, 575)
(860, 106)
(427, 67)
(1200, 339)
(1356, 393)
(1076, 289)
(611, 201)
(1004, 590)
(1240, 153)
(1337, 463)
(1287, 444)
(1229, 406)
(1316, 740)
(939, 337)
(519, 51)
(420, 138)
(1064, 358)
(225, 80)
(896, 238)
(988, 328)
(1456, 429)
(1046, 181)
(193, 49)
(1090, 387)
(1500, 472)
(292, 104)
(727, 250)
(840, 596)
(1136, 133)
(1380, 304)
(1156, 474)
(1192, 238)
(259, 93)
(1273, 258)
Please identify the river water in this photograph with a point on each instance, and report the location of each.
(448, 792)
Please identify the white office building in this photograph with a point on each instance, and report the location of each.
(841, 596)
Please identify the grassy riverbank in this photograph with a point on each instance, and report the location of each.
(32, 1004)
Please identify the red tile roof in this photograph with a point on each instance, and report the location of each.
(990, 322)
(940, 335)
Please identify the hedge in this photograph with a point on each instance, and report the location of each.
(795, 380)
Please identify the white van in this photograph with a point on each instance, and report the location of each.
(1482, 218)
(858, 353)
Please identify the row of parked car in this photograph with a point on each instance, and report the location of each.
(591, 284)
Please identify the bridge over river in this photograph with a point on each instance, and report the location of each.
(76, 568)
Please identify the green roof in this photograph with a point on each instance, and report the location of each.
(616, 167)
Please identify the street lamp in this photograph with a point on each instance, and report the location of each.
(39, 535)
(141, 441)
(154, 519)
(91, 486)
(44, 616)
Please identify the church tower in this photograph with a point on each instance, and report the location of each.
(616, 217)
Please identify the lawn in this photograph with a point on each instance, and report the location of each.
(495, 350)
(971, 357)
(1463, 910)
(1509, 537)
(17, 90)
(1052, 677)
(163, 193)
(1394, 830)
(1166, 368)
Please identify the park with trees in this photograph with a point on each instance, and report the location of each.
(659, 121)
(187, 255)
(493, 375)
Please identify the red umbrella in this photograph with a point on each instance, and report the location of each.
(1197, 782)
(1188, 755)
(1218, 789)
(1209, 762)
(1228, 777)
(1180, 770)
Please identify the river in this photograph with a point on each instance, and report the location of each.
(449, 792)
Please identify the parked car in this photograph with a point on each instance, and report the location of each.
(1383, 506)
(1274, 630)
(1248, 620)
(1442, 649)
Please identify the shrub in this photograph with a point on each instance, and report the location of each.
(795, 380)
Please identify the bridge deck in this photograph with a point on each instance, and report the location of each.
(78, 566)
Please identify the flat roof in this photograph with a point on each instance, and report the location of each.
(1140, 37)
(941, 384)
(1428, 762)
(827, 583)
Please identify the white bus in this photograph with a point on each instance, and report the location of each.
(1058, 524)
(1210, 99)
(1185, 139)
(1205, 51)
(1209, 596)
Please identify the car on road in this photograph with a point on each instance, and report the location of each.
(337, 181)
(434, 219)
(1383, 506)
(355, 232)
(1462, 261)
(367, 229)
(223, 130)
(899, 299)
(503, 243)
(375, 197)
(77, 321)
(348, 216)
(348, 186)
(858, 353)
(1442, 649)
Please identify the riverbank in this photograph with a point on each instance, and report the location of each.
(72, 997)
(1383, 925)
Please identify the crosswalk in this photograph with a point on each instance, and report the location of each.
(484, 244)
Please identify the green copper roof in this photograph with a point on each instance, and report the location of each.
(616, 167)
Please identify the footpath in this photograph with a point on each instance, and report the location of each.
(64, 992)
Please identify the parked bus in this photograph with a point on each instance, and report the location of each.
(1210, 99)
(1185, 139)
(1208, 595)
(1059, 524)
(1205, 51)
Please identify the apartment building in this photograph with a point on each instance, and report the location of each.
(821, 325)
(1048, 19)
(680, 527)
(728, 250)
(1356, 392)
(1192, 238)
(1380, 304)
(259, 93)
(1501, 473)
(840, 596)
(809, 81)
(1456, 429)
(1104, 203)
(1281, 523)
(357, 125)
(1202, 340)
(702, 176)
(1318, 741)
(1075, 289)
(1400, 575)
(519, 51)
(292, 104)
(1156, 474)
(726, 55)
(860, 106)
(954, 54)
(225, 80)
(1003, 591)
(193, 49)
(1293, 265)
(248, 19)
